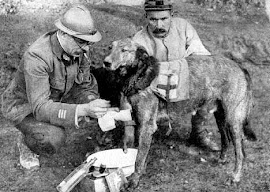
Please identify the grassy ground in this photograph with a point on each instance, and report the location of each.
(172, 166)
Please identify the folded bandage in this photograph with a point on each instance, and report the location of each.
(107, 122)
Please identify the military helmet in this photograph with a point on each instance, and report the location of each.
(78, 22)
(158, 5)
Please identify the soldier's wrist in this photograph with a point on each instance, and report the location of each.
(81, 110)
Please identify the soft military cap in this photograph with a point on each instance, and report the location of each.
(158, 5)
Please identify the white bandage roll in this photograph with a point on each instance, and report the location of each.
(107, 122)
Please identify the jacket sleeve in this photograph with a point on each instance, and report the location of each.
(86, 87)
(194, 43)
(38, 92)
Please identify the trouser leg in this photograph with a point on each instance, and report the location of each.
(199, 134)
(197, 122)
(40, 137)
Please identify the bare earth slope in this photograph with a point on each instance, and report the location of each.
(172, 165)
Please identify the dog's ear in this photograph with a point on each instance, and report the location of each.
(141, 53)
(143, 57)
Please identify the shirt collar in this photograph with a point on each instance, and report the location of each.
(57, 49)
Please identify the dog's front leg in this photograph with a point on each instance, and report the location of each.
(146, 113)
(129, 134)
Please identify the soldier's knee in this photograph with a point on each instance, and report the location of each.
(46, 141)
(40, 137)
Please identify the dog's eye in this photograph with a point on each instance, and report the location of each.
(110, 47)
(123, 50)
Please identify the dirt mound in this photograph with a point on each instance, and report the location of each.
(239, 6)
(244, 48)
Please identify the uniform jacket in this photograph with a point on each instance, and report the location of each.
(181, 41)
(45, 81)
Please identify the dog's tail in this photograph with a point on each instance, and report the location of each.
(248, 132)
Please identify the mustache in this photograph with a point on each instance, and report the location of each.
(158, 31)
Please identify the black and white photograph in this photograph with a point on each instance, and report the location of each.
(135, 96)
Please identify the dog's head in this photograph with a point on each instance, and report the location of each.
(131, 63)
(124, 54)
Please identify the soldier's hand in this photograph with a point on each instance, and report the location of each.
(95, 109)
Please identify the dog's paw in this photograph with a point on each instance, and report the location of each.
(133, 182)
(223, 160)
(232, 182)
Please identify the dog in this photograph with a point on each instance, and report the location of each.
(119, 84)
(214, 80)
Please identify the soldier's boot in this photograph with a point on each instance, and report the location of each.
(27, 159)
